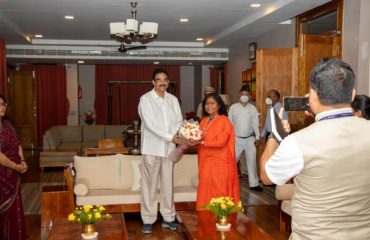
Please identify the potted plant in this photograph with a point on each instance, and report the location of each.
(87, 216)
(222, 207)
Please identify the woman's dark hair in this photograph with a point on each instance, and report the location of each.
(221, 111)
(362, 103)
(4, 99)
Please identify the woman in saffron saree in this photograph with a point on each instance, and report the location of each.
(218, 174)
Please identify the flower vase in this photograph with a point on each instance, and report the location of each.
(88, 231)
(223, 223)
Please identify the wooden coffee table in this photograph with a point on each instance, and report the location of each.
(201, 225)
(113, 228)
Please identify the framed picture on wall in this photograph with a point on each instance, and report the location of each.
(252, 50)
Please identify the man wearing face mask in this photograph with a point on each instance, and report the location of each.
(244, 117)
(272, 100)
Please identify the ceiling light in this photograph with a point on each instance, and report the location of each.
(255, 5)
(38, 36)
(184, 20)
(156, 63)
(289, 21)
(199, 39)
(129, 32)
(69, 17)
(80, 61)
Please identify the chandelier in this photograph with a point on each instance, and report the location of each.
(130, 32)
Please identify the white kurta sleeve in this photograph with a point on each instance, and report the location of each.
(286, 162)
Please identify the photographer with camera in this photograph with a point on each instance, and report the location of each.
(329, 161)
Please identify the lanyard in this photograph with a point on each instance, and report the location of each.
(340, 115)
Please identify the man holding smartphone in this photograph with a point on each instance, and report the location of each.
(329, 161)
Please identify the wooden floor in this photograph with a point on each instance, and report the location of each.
(261, 207)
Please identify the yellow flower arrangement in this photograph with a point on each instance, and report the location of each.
(224, 206)
(88, 214)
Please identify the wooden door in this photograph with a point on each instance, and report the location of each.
(22, 112)
(277, 68)
(312, 48)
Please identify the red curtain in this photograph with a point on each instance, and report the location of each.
(213, 77)
(51, 92)
(225, 77)
(125, 96)
(3, 70)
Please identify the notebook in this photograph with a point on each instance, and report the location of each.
(277, 126)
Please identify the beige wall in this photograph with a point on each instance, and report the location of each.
(356, 40)
(86, 80)
(72, 86)
(283, 36)
(187, 89)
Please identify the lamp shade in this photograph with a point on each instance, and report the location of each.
(149, 28)
(131, 25)
(117, 27)
(226, 99)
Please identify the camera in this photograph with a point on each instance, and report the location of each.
(295, 104)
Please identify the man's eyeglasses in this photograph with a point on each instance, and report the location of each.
(3, 104)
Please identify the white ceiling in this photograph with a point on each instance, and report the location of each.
(225, 23)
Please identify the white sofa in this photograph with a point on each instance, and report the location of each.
(114, 181)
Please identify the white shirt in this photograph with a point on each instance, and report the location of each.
(160, 120)
(287, 160)
(278, 108)
(244, 120)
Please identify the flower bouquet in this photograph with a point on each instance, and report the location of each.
(87, 216)
(222, 207)
(189, 131)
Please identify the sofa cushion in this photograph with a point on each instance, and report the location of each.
(102, 172)
(53, 137)
(114, 131)
(286, 206)
(136, 165)
(92, 133)
(185, 169)
(70, 133)
(284, 192)
(126, 170)
(184, 194)
(195, 181)
(109, 197)
(81, 187)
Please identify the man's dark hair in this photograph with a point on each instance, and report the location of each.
(362, 102)
(276, 93)
(159, 70)
(333, 80)
(221, 111)
(244, 88)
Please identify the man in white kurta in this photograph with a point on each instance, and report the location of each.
(329, 161)
(244, 117)
(161, 118)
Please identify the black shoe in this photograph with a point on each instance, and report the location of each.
(169, 225)
(146, 229)
(257, 189)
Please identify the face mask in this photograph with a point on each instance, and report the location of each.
(244, 99)
(268, 101)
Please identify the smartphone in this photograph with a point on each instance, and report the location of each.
(295, 104)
